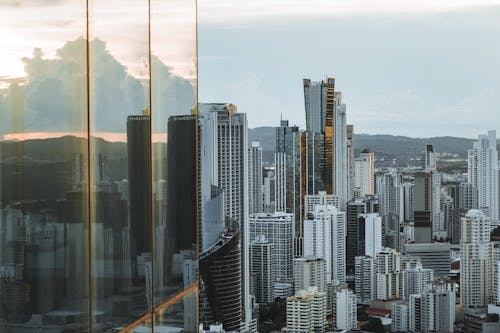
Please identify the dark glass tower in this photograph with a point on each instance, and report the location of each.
(139, 180)
(181, 181)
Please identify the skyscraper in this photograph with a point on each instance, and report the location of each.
(309, 272)
(231, 141)
(476, 276)
(255, 179)
(364, 181)
(280, 176)
(262, 268)
(482, 173)
(277, 228)
(365, 279)
(350, 161)
(319, 99)
(389, 275)
(139, 180)
(324, 237)
(285, 144)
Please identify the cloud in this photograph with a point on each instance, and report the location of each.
(54, 99)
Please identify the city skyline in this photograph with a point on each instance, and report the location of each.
(430, 64)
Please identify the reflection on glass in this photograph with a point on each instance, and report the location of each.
(89, 203)
(173, 99)
(120, 172)
(178, 317)
(43, 205)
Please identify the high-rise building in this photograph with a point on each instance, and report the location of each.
(321, 198)
(476, 276)
(372, 231)
(340, 165)
(324, 237)
(355, 240)
(424, 213)
(306, 311)
(428, 158)
(364, 173)
(280, 176)
(365, 278)
(350, 162)
(408, 204)
(285, 144)
(416, 279)
(278, 231)
(268, 189)
(255, 178)
(435, 256)
(262, 269)
(399, 317)
(344, 309)
(390, 284)
(309, 272)
(325, 114)
(389, 192)
(139, 180)
(433, 310)
(482, 173)
(230, 137)
(181, 180)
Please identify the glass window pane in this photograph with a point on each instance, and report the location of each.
(43, 149)
(120, 162)
(179, 316)
(173, 99)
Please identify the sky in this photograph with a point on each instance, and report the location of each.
(418, 68)
(422, 69)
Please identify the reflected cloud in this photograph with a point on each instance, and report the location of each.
(54, 95)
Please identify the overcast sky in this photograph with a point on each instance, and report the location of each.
(422, 69)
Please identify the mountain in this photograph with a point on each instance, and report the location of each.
(388, 146)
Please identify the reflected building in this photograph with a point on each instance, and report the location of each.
(139, 181)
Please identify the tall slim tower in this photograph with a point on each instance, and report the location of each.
(319, 99)
(350, 161)
(139, 180)
(476, 276)
(231, 140)
(255, 183)
(482, 172)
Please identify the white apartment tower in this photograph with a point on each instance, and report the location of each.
(433, 310)
(306, 312)
(476, 276)
(278, 228)
(389, 275)
(365, 278)
(373, 233)
(399, 317)
(261, 268)
(482, 172)
(364, 173)
(324, 237)
(344, 309)
(309, 272)
(340, 154)
(416, 280)
(311, 201)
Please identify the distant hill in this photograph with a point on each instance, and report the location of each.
(390, 146)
